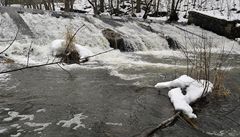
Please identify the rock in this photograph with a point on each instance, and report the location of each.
(173, 44)
(6, 60)
(116, 40)
(62, 14)
(221, 27)
(71, 57)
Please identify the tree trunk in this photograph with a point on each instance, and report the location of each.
(118, 5)
(158, 3)
(45, 5)
(132, 7)
(71, 4)
(148, 6)
(66, 5)
(53, 6)
(173, 14)
(138, 6)
(101, 5)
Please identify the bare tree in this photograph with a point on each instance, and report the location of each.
(95, 7)
(174, 14)
(148, 6)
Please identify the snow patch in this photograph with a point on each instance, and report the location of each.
(114, 124)
(15, 126)
(16, 135)
(3, 130)
(41, 110)
(41, 125)
(76, 120)
(195, 89)
(14, 115)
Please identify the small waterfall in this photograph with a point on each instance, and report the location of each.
(135, 37)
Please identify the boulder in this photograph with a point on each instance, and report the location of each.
(116, 40)
(173, 44)
(71, 57)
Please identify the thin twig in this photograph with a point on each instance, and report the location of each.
(98, 54)
(10, 43)
(64, 70)
(29, 53)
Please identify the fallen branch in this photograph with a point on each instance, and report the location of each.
(162, 125)
(52, 63)
(65, 70)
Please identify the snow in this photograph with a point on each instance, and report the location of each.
(41, 110)
(2, 130)
(74, 121)
(14, 115)
(83, 51)
(41, 126)
(195, 89)
(179, 102)
(114, 124)
(16, 126)
(58, 47)
(16, 135)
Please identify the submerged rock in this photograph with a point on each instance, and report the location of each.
(116, 40)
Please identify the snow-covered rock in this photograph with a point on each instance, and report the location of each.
(179, 102)
(58, 48)
(195, 89)
(83, 51)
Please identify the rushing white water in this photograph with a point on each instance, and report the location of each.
(145, 43)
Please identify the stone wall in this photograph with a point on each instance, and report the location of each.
(219, 26)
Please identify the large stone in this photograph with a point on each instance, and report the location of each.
(219, 26)
(116, 40)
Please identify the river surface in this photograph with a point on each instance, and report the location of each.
(112, 95)
(48, 102)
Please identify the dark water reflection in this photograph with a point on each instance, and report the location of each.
(114, 107)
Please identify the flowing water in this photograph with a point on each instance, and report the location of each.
(112, 95)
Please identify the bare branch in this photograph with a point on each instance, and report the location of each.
(11, 42)
(29, 53)
(64, 70)
(52, 63)
(162, 125)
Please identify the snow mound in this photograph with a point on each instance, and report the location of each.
(195, 89)
(58, 47)
(75, 121)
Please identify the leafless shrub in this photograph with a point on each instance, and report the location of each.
(202, 63)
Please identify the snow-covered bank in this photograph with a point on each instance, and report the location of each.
(195, 89)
